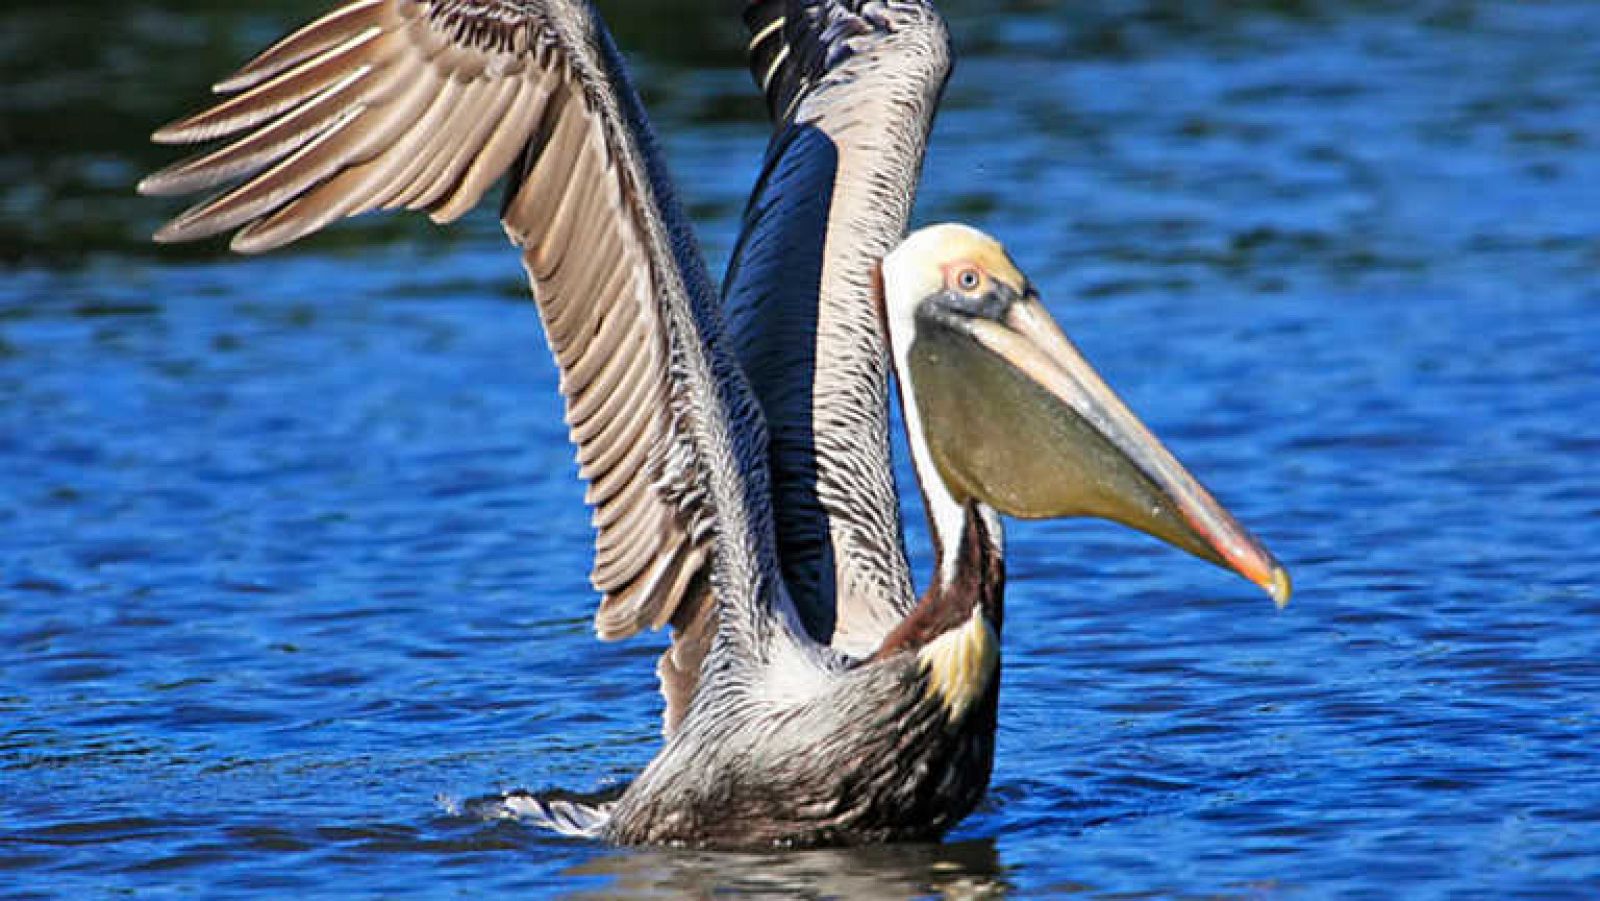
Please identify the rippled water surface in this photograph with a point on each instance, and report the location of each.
(292, 555)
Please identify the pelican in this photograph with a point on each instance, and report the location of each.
(736, 444)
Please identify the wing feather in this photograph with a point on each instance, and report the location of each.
(852, 86)
(424, 104)
(341, 63)
(305, 43)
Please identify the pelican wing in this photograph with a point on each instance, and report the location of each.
(852, 86)
(423, 104)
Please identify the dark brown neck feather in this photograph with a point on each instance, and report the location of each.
(978, 580)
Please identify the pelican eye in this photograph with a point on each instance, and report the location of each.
(969, 279)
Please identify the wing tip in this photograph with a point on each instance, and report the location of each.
(173, 133)
(247, 77)
(185, 230)
(249, 244)
(174, 232)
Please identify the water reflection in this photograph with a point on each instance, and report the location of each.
(968, 869)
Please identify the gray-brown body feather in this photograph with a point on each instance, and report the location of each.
(873, 759)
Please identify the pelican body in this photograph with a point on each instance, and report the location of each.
(736, 446)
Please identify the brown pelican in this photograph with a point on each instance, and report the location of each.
(738, 467)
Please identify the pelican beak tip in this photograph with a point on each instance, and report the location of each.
(1279, 587)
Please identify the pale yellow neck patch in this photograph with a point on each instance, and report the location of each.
(960, 664)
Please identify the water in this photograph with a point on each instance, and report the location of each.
(292, 556)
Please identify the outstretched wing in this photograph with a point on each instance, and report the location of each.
(852, 86)
(422, 104)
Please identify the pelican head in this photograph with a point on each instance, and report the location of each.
(1003, 409)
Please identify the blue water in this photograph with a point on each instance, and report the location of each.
(293, 555)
